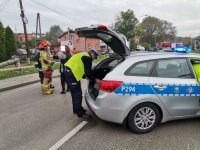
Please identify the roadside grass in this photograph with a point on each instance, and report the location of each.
(22, 65)
(23, 71)
(197, 51)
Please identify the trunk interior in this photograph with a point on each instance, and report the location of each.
(100, 72)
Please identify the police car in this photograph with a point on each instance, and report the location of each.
(141, 89)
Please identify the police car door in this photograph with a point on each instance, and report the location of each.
(174, 82)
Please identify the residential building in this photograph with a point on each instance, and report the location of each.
(21, 37)
(80, 44)
(196, 42)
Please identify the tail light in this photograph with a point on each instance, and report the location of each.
(109, 86)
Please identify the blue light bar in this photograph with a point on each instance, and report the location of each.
(189, 49)
(182, 49)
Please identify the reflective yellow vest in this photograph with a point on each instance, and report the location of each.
(76, 65)
(46, 56)
(197, 71)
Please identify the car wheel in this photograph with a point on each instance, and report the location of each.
(143, 118)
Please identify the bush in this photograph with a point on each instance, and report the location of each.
(2, 52)
(10, 45)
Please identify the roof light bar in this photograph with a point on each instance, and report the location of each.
(99, 26)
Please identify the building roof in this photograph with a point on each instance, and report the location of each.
(197, 38)
(71, 31)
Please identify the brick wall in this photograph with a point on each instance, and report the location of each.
(80, 44)
(21, 37)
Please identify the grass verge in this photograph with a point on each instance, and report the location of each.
(24, 71)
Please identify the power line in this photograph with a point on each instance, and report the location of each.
(42, 5)
(58, 13)
(5, 4)
(46, 20)
(33, 14)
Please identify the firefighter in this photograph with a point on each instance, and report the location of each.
(47, 62)
(78, 66)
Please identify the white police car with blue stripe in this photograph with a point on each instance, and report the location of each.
(141, 89)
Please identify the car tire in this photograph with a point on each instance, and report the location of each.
(143, 118)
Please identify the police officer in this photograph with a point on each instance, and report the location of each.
(78, 66)
(196, 67)
(64, 57)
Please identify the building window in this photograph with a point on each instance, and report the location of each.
(71, 37)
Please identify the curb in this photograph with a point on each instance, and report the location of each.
(22, 84)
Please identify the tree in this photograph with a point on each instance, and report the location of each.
(31, 43)
(167, 31)
(133, 44)
(151, 26)
(10, 45)
(157, 30)
(18, 44)
(2, 51)
(125, 23)
(53, 34)
(139, 30)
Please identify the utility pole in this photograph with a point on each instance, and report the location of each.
(38, 22)
(25, 21)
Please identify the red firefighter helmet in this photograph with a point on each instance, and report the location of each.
(44, 44)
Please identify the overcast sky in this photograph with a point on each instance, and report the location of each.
(184, 14)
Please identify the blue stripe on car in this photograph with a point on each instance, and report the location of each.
(170, 89)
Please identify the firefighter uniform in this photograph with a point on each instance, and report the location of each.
(47, 62)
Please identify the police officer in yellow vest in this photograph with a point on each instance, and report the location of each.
(77, 67)
(196, 67)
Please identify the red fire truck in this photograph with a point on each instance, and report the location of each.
(169, 45)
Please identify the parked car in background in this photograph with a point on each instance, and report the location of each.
(34, 51)
(153, 49)
(21, 52)
(140, 48)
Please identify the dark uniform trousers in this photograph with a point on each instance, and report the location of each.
(63, 81)
(76, 92)
(41, 76)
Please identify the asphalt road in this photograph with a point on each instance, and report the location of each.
(30, 120)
